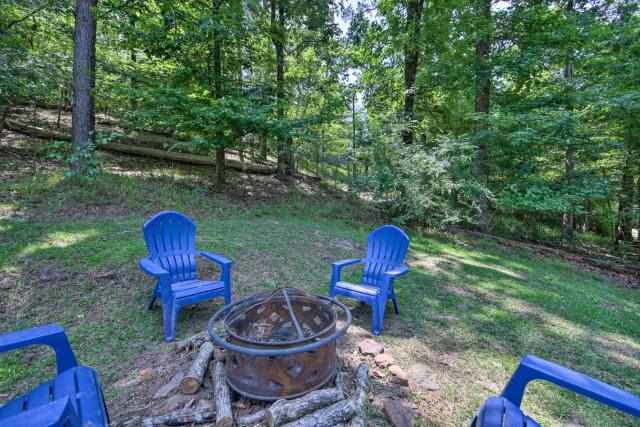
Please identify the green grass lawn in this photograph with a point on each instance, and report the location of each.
(470, 309)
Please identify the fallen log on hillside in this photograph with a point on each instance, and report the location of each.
(138, 150)
(618, 267)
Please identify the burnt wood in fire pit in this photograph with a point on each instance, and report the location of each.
(280, 344)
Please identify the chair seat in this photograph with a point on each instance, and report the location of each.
(500, 412)
(362, 288)
(80, 384)
(189, 288)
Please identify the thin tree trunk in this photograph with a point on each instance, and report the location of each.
(278, 40)
(84, 71)
(217, 86)
(354, 173)
(482, 106)
(411, 56)
(625, 203)
(569, 160)
(263, 147)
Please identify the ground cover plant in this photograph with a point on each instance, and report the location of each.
(470, 308)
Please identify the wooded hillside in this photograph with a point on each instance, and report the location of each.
(516, 117)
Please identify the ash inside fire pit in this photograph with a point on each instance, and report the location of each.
(280, 344)
(285, 315)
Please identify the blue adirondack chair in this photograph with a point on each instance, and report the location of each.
(505, 410)
(171, 240)
(73, 398)
(387, 246)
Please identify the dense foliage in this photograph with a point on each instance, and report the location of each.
(432, 109)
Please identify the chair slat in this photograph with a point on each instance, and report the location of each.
(39, 395)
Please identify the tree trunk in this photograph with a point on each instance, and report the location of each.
(482, 106)
(84, 71)
(354, 172)
(278, 39)
(569, 160)
(263, 147)
(411, 56)
(217, 89)
(625, 203)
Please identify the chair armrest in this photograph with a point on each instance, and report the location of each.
(396, 272)
(337, 268)
(52, 335)
(533, 368)
(344, 263)
(218, 259)
(59, 412)
(225, 265)
(152, 269)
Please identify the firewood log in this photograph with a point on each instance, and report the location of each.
(191, 382)
(191, 343)
(284, 411)
(181, 417)
(337, 413)
(362, 388)
(252, 419)
(222, 396)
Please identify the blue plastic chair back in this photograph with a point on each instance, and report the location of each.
(171, 240)
(387, 247)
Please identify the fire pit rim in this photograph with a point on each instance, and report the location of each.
(317, 342)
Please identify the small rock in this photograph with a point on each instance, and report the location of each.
(5, 283)
(370, 347)
(173, 383)
(399, 375)
(420, 378)
(378, 373)
(384, 360)
(399, 412)
(146, 374)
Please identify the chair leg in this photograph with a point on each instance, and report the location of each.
(395, 301)
(154, 295)
(169, 319)
(378, 308)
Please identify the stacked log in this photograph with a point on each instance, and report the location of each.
(191, 382)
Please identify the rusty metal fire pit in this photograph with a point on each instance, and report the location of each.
(280, 344)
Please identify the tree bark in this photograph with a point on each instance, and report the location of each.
(411, 57)
(625, 203)
(180, 417)
(217, 88)
(284, 411)
(252, 419)
(84, 71)
(482, 107)
(354, 172)
(337, 413)
(222, 396)
(278, 37)
(569, 160)
(362, 388)
(192, 343)
(191, 382)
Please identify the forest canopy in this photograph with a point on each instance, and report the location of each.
(517, 117)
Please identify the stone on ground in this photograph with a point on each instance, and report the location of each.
(370, 347)
(399, 375)
(146, 374)
(384, 360)
(398, 411)
(420, 378)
